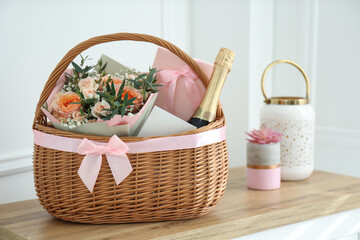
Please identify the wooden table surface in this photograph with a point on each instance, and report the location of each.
(240, 212)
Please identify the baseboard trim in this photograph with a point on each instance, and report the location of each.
(338, 136)
(15, 163)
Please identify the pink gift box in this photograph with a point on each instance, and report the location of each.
(182, 90)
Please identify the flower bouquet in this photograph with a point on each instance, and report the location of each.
(93, 99)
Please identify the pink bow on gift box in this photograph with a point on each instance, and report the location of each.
(169, 79)
(115, 152)
(182, 90)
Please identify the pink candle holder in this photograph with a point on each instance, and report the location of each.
(263, 160)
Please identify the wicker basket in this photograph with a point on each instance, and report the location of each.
(164, 185)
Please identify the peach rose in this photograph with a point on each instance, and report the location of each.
(89, 93)
(98, 109)
(78, 117)
(132, 92)
(117, 81)
(61, 106)
(88, 83)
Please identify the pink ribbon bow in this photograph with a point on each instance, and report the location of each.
(115, 152)
(169, 79)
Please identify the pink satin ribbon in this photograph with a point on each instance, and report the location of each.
(168, 78)
(115, 150)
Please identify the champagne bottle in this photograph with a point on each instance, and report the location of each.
(206, 112)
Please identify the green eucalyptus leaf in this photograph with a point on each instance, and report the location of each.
(103, 67)
(107, 117)
(141, 76)
(113, 92)
(101, 94)
(132, 99)
(108, 80)
(77, 67)
(91, 100)
(88, 68)
(123, 109)
(150, 76)
(108, 89)
(136, 83)
(119, 93)
(126, 97)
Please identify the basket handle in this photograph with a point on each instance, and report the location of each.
(74, 52)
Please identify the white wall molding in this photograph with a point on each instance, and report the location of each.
(176, 23)
(293, 33)
(261, 37)
(338, 137)
(313, 10)
(15, 163)
(336, 150)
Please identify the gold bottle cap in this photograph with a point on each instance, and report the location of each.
(225, 58)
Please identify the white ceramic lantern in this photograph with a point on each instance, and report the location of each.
(294, 117)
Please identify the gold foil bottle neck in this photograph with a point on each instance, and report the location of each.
(225, 58)
(223, 63)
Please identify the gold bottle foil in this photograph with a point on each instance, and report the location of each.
(222, 66)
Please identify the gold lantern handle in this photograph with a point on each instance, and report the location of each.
(285, 100)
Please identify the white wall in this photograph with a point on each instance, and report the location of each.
(35, 35)
(337, 86)
(322, 36)
(226, 24)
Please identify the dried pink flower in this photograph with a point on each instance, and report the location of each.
(264, 136)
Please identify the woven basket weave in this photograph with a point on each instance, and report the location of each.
(164, 185)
